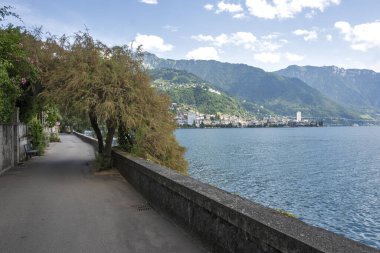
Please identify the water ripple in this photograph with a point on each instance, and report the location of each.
(329, 177)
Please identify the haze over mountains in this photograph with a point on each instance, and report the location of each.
(355, 88)
(286, 91)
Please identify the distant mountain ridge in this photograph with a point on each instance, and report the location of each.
(357, 88)
(282, 95)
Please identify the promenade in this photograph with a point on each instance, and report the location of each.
(54, 203)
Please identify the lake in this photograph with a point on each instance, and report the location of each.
(328, 177)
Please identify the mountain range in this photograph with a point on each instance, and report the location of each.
(354, 88)
(283, 92)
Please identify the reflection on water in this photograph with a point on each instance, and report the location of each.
(329, 177)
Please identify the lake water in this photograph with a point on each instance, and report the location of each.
(328, 177)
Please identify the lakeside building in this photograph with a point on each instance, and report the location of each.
(191, 118)
(187, 117)
(299, 117)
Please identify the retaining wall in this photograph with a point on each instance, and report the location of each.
(7, 146)
(223, 221)
(92, 141)
(12, 141)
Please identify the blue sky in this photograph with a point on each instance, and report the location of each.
(269, 34)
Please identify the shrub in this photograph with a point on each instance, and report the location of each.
(54, 137)
(37, 135)
(102, 163)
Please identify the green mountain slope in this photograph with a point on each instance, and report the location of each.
(279, 94)
(176, 76)
(187, 89)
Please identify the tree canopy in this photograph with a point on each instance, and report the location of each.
(110, 85)
(85, 78)
(18, 73)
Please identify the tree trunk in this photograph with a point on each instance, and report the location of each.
(126, 139)
(95, 126)
(111, 129)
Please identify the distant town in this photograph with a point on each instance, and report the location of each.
(187, 118)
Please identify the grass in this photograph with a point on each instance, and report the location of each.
(286, 213)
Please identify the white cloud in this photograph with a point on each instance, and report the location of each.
(293, 57)
(268, 57)
(208, 7)
(307, 35)
(345, 28)
(231, 8)
(247, 40)
(329, 37)
(239, 15)
(171, 28)
(275, 57)
(201, 37)
(283, 9)
(149, 1)
(310, 14)
(266, 43)
(271, 36)
(152, 43)
(363, 36)
(203, 53)
(221, 39)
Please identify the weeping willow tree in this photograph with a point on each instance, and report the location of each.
(111, 87)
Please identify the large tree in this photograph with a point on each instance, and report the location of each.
(111, 86)
(18, 73)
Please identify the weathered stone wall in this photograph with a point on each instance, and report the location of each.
(92, 141)
(12, 141)
(7, 146)
(223, 221)
(22, 141)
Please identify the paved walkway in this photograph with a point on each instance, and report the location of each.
(54, 203)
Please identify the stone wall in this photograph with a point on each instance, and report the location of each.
(12, 141)
(7, 154)
(92, 141)
(22, 140)
(223, 221)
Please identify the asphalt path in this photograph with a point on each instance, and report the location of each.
(54, 203)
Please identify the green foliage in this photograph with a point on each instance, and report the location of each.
(111, 87)
(54, 137)
(52, 115)
(5, 11)
(37, 135)
(18, 73)
(153, 137)
(102, 162)
(157, 144)
(79, 122)
(8, 95)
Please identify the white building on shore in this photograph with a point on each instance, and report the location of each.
(298, 117)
